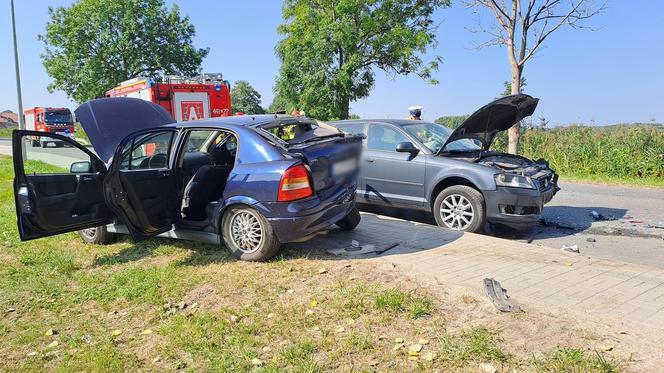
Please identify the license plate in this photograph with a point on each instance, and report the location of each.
(344, 167)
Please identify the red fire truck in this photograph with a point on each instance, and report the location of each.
(205, 96)
(49, 120)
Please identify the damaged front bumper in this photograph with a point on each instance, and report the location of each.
(518, 207)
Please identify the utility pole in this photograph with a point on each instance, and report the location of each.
(21, 120)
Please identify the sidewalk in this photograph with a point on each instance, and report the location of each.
(547, 279)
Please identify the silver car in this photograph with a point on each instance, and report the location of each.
(452, 173)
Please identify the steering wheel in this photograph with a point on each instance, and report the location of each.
(157, 161)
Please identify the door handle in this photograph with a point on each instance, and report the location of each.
(86, 178)
(164, 173)
(369, 159)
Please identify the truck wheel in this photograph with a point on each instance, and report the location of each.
(461, 208)
(350, 221)
(97, 235)
(248, 235)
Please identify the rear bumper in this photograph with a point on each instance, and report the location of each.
(293, 220)
(516, 207)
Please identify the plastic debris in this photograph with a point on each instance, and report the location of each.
(498, 296)
(570, 248)
(600, 217)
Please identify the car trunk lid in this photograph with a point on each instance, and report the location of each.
(331, 155)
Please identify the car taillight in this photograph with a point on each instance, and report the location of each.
(294, 184)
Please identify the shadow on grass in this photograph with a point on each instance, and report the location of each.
(199, 253)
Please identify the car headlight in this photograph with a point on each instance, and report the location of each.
(514, 181)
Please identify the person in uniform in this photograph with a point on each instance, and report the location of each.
(415, 113)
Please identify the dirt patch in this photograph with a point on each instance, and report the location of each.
(203, 296)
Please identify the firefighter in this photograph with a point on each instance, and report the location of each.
(415, 113)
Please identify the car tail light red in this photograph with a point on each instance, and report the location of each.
(294, 184)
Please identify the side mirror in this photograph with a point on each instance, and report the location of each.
(407, 147)
(83, 167)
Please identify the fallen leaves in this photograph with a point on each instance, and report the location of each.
(50, 332)
(322, 271)
(256, 362)
(487, 368)
(146, 332)
(116, 332)
(53, 344)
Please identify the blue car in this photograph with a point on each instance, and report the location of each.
(254, 182)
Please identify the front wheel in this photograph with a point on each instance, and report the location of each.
(97, 235)
(461, 208)
(248, 235)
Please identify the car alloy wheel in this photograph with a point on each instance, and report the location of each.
(246, 231)
(456, 212)
(89, 233)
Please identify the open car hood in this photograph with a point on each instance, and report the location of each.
(107, 121)
(497, 116)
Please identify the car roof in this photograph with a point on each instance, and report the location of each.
(238, 120)
(395, 122)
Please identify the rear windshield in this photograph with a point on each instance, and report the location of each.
(297, 132)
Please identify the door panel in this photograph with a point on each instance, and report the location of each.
(141, 187)
(50, 199)
(390, 177)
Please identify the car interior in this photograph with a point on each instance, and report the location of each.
(204, 167)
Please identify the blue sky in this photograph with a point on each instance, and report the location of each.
(614, 74)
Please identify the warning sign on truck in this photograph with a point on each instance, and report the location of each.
(191, 110)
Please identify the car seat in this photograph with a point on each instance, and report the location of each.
(207, 184)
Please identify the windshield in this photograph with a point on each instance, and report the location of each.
(433, 136)
(57, 117)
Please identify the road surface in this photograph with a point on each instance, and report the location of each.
(634, 233)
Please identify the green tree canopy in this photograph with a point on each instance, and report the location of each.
(93, 45)
(245, 98)
(452, 121)
(332, 47)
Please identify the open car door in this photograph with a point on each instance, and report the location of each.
(141, 187)
(58, 188)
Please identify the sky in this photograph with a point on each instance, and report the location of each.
(614, 74)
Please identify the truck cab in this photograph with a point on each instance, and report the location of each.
(49, 120)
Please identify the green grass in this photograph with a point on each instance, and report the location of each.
(116, 308)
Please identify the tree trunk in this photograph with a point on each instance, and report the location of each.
(514, 131)
(344, 108)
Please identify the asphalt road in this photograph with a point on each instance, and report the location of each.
(634, 232)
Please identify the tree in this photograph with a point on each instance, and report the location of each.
(93, 45)
(522, 26)
(279, 104)
(245, 98)
(331, 49)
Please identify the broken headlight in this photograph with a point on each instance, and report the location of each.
(514, 181)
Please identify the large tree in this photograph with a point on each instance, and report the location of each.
(522, 26)
(331, 49)
(245, 99)
(93, 45)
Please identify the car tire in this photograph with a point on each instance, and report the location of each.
(254, 241)
(350, 221)
(456, 202)
(97, 235)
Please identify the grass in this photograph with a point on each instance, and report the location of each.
(164, 305)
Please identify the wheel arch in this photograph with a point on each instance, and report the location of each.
(223, 205)
(448, 182)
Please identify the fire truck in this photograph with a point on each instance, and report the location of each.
(204, 96)
(49, 120)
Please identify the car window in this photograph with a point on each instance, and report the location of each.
(148, 151)
(351, 128)
(50, 155)
(433, 136)
(382, 137)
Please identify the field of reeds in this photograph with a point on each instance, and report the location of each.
(633, 153)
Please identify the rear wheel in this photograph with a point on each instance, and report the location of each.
(461, 208)
(248, 235)
(97, 235)
(350, 221)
